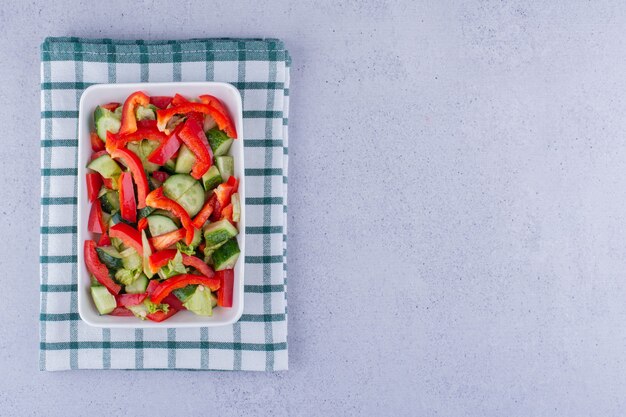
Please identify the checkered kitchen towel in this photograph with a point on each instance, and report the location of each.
(260, 70)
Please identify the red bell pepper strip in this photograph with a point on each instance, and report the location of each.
(127, 300)
(180, 281)
(135, 166)
(95, 223)
(173, 301)
(178, 100)
(227, 212)
(204, 213)
(129, 120)
(96, 143)
(233, 182)
(94, 183)
(217, 208)
(224, 192)
(225, 292)
(193, 136)
(159, 259)
(160, 176)
(104, 240)
(121, 312)
(111, 106)
(159, 316)
(128, 205)
(98, 269)
(198, 264)
(198, 117)
(142, 224)
(128, 235)
(163, 116)
(152, 286)
(160, 101)
(150, 133)
(166, 150)
(224, 122)
(113, 142)
(109, 183)
(166, 240)
(158, 200)
(146, 123)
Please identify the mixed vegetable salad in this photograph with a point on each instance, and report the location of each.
(164, 207)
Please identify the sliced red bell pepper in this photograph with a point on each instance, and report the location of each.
(128, 205)
(142, 224)
(152, 286)
(163, 116)
(227, 212)
(121, 312)
(225, 292)
(111, 106)
(233, 182)
(159, 316)
(160, 176)
(166, 149)
(217, 208)
(198, 264)
(180, 281)
(150, 133)
(128, 235)
(193, 136)
(109, 183)
(224, 192)
(98, 269)
(225, 123)
(129, 120)
(166, 240)
(94, 183)
(135, 166)
(126, 300)
(95, 223)
(96, 143)
(198, 117)
(178, 100)
(173, 301)
(113, 142)
(160, 101)
(159, 259)
(158, 200)
(104, 240)
(204, 213)
(146, 123)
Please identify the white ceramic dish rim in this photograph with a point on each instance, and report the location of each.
(104, 93)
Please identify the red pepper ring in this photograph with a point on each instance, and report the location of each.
(180, 281)
(135, 166)
(129, 120)
(163, 116)
(157, 199)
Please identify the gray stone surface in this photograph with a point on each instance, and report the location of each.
(457, 232)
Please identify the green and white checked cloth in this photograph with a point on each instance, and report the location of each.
(260, 70)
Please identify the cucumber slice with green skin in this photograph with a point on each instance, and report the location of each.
(208, 251)
(176, 185)
(170, 166)
(193, 199)
(144, 212)
(105, 301)
(184, 293)
(218, 232)
(197, 238)
(225, 257)
(226, 165)
(146, 112)
(110, 257)
(212, 178)
(159, 225)
(105, 166)
(219, 141)
(139, 286)
(143, 149)
(185, 160)
(168, 214)
(110, 202)
(106, 120)
(236, 207)
(131, 259)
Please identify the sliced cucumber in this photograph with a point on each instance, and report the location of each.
(212, 178)
(105, 166)
(105, 120)
(219, 232)
(139, 286)
(143, 149)
(131, 259)
(105, 301)
(184, 293)
(176, 185)
(193, 199)
(110, 202)
(219, 141)
(226, 165)
(146, 254)
(144, 212)
(170, 166)
(146, 112)
(159, 225)
(169, 215)
(236, 207)
(225, 257)
(185, 161)
(197, 238)
(110, 257)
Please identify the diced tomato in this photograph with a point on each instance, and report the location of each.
(94, 183)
